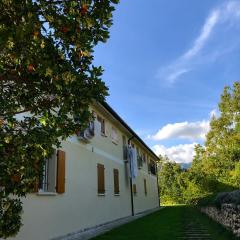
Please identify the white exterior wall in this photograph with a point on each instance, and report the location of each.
(144, 202)
(80, 207)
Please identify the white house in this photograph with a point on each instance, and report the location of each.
(87, 182)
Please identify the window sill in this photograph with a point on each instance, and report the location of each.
(116, 194)
(47, 194)
(101, 194)
(114, 142)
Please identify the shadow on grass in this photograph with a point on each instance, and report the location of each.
(169, 223)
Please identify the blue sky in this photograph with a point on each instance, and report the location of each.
(166, 64)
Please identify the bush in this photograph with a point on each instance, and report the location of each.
(207, 201)
(227, 198)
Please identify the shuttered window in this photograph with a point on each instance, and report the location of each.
(60, 188)
(116, 181)
(145, 186)
(35, 184)
(102, 122)
(100, 178)
(134, 189)
(114, 135)
(124, 142)
(52, 177)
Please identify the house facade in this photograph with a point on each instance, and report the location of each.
(88, 181)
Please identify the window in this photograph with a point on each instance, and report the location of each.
(60, 172)
(47, 181)
(149, 165)
(145, 186)
(100, 179)
(116, 181)
(124, 141)
(144, 157)
(102, 122)
(53, 175)
(114, 135)
(134, 189)
(137, 149)
(139, 159)
(152, 167)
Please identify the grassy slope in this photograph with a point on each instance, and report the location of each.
(166, 224)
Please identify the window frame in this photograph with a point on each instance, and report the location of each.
(145, 186)
(115, 131)
(101, 180)
(48, 180)
(116, 182)
(103, 125)
(134, 189)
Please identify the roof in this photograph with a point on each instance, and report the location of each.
(116, 116)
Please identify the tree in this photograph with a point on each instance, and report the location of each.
(47, 82)
(223, 139)
(170, 181)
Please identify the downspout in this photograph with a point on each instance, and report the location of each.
(132, 202)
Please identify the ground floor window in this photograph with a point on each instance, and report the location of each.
(145, 186)
(52, 178)
(134, 187)
(116, 181)
(100, 178)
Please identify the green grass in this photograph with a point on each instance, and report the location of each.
(167, 224)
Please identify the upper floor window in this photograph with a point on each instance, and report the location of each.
(125, 150)
(114, 135)
(152, 167)
(144, 157)
(102, 125)
(139, 158)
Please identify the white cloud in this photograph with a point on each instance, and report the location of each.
(206, 31)
(183, 130)
(176, 74)
(214, 113)
(227, 13)
(182, 153)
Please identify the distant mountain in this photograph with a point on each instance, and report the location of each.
(186, 165)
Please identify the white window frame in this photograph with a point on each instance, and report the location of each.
(49, 174)
(114, 135)
(103, 125)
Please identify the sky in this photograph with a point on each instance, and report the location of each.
(166, 64)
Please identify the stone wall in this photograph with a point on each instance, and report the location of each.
(228, 215)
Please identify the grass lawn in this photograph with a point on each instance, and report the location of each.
(170, 223)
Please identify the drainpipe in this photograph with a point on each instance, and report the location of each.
(132, 203)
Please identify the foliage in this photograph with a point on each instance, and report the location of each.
(170, 187)
(47, 83)
(223, 140)
(216, 165)
(227, 198)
